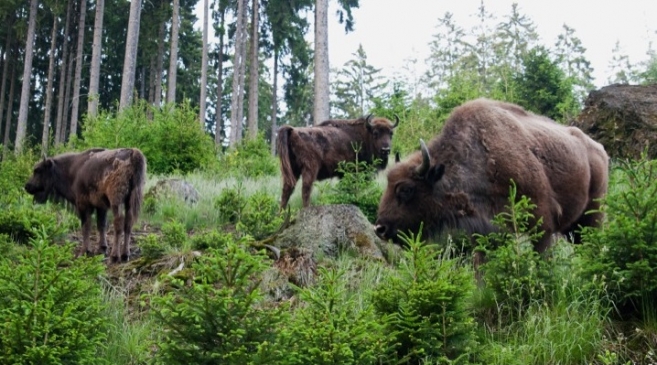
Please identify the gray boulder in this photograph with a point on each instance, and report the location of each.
(174, 188)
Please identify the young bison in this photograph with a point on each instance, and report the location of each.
(95, 180)
(461, 180)
(313, 153)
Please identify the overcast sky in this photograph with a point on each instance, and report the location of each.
(394, 31)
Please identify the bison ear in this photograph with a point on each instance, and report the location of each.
(435, 173)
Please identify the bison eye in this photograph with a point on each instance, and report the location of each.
(405, 192)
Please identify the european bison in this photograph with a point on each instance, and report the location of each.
(461, 181)
(314, 152)
(96, 179)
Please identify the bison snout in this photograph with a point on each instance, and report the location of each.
(30, 188)
(385, 150)
(383, 231)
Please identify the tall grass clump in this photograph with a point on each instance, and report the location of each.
(623, 254)
(170, 138)
(427, 300)
(251, 158)
(51, 308)
(220, 315)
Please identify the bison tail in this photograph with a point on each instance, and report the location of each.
(282, 145)
(138, 161)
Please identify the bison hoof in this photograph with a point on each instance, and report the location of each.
(115, 259)
(125, 258)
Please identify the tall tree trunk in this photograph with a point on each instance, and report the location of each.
(79, 60)
(45, 137)
(274, 104)
(204, 66)
(61, 105)
(173, 60)
(10, 103)
(5, 71)
(151, 78)
(321, 105)
(237, 100)
(94, 69)
(130, 59)
(21, 128)
(218, 117)
(67, 94)
(254, 74)
(157, 98)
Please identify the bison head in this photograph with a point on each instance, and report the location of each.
(42, 182)
(410, 197)
(381, 130)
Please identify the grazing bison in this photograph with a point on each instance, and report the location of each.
(96, 179)
(314, 152)
(461, 181)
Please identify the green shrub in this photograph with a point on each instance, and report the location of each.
(260, 217)
(514, 271)
(19, 220)
(221, 317)
(152, 247)
(427, 300)
(357, 187)
(174, 234)
(332, 327)
(210, 239)
(231, 203)
(51, 306)
(623, 254)
(171, 138)
(15, 170)
(251, 158)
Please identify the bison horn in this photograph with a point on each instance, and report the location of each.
(368, 120)
(426, 160)
(396, 122)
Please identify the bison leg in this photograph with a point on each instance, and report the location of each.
(285, 196)
(307, 187)
(129, 221)
(119, 218)
(85, 220)
(101, 224)
(593, 219)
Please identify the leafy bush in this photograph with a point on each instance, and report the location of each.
(231, 204)
(19, 220)
(171, 138)
(427, 301)
(357, 187)
(221, 316)
(152, 247)
(15, 170)
(260, 217)
(210, 239)
(251, 158)
(332, 327)
(174, 234)
(51, 306)
(514, 270)
(623, 254)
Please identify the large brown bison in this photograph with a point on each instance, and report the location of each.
(95, 180)
(313, 153)
(461, 180)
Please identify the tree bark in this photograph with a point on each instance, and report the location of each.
(21, 127)
(238, 76)
(218, 120)
(130, 59)
(157, 98)
(62, 77)
(321, 105)
(67, 94)
(94, 73)
(274, 104)
(79, 60)
(45, 136)
(204, 66)
(10, 104)
(254, 74)
(5, 71)
(173, 60)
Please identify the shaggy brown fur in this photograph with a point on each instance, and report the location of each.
(314, 152)
(96, 179)
(462, 179)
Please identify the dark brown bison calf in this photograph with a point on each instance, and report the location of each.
(314, 153)
(95, 180)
